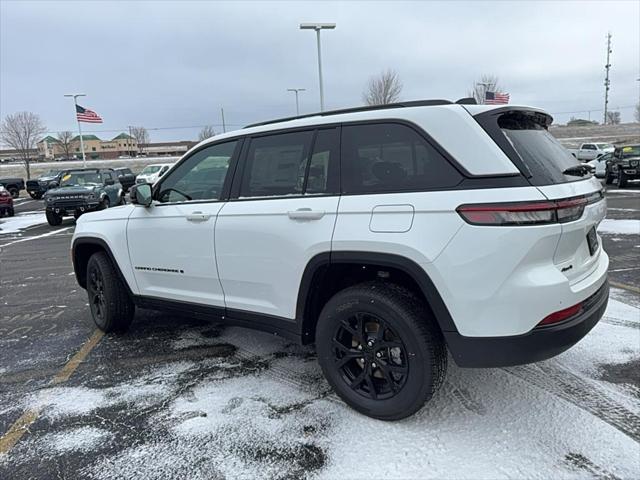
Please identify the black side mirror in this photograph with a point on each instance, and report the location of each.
(141, 194)
(109, 181)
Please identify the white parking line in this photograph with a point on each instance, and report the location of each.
(48, 234)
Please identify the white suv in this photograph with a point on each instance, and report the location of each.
(384, 235)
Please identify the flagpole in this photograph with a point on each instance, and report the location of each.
(75, 101)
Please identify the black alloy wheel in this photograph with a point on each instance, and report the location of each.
(95, 289)
(371, 357)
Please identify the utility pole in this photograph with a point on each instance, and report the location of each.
(224, 127)
(130, 144)
(607, 82)
(296, 91)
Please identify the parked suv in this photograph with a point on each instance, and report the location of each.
(624, 166)
(37, 187)
(384, 235)
(82, 190)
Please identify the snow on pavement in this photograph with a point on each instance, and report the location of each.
(20, 222)
(265, 411)
(619, 227)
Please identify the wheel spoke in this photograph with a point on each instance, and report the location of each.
(345, 324)
(358, 380)
(371, 386)
(396, 368)
(388, 378)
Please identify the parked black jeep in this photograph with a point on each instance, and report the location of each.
(37, 187)
(82, 190)
(624, 166)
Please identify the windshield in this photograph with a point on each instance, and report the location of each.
(602, 146)
(80, 179)
(630, 151)
(150, 169)
(543, 155)
(51, 173)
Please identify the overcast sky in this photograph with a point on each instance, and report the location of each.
(170, 64)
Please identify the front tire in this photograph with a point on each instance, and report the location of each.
(11, 212)
(53, 218)
(111, 307)
(104, 204)
(15, 193)
(380, 350)
(622, 179)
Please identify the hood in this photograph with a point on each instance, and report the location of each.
(75, 190)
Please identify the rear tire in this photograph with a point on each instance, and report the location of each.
(380, 350)
(53, 218)
(15, 193)
(10, 212)
(111, 307)
(608, 178)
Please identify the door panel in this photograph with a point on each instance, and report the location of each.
(285, 215)
(172, 255)
(262, 252)
(171, 243)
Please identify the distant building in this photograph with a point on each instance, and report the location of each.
(50, 148)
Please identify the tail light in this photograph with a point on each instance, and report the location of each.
(562, 315)
(527, 213)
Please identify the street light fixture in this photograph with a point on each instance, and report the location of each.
(75, 101)
(296, 90)
(317, 27)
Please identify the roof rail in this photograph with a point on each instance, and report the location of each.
(413, 103)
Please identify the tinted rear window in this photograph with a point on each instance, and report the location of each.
(389, 157)
(541, 153)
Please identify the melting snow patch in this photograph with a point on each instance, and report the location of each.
(79, 439)
(20, 222)
(619, 227)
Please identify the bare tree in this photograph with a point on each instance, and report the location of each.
(21, 131)
(65, 138)
(613, 118)
(206, 132)
(383, 88)
(486, 83)
(637, 112)
(142, 137)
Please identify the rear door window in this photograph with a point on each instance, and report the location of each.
(276, 165)
(390, 157)
(540, 156)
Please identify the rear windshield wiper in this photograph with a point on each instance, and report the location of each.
(578, 170)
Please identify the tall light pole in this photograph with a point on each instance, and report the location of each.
(75, 102)
(607, 82)
(317, 27)
(296, 91)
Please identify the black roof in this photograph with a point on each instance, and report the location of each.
(366, 108)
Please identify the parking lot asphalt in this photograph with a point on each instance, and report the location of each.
(181, 397)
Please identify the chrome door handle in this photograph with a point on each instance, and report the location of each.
(198, 217)
(306, 214)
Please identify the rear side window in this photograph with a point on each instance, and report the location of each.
(390, 157)
(544, 157)
(276, 165)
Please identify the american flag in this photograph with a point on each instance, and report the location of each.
(496, 98)
(86, 115)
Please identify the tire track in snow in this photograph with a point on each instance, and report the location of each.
(583, 463)
(563, 383)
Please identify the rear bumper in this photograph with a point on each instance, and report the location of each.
(534, 346)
